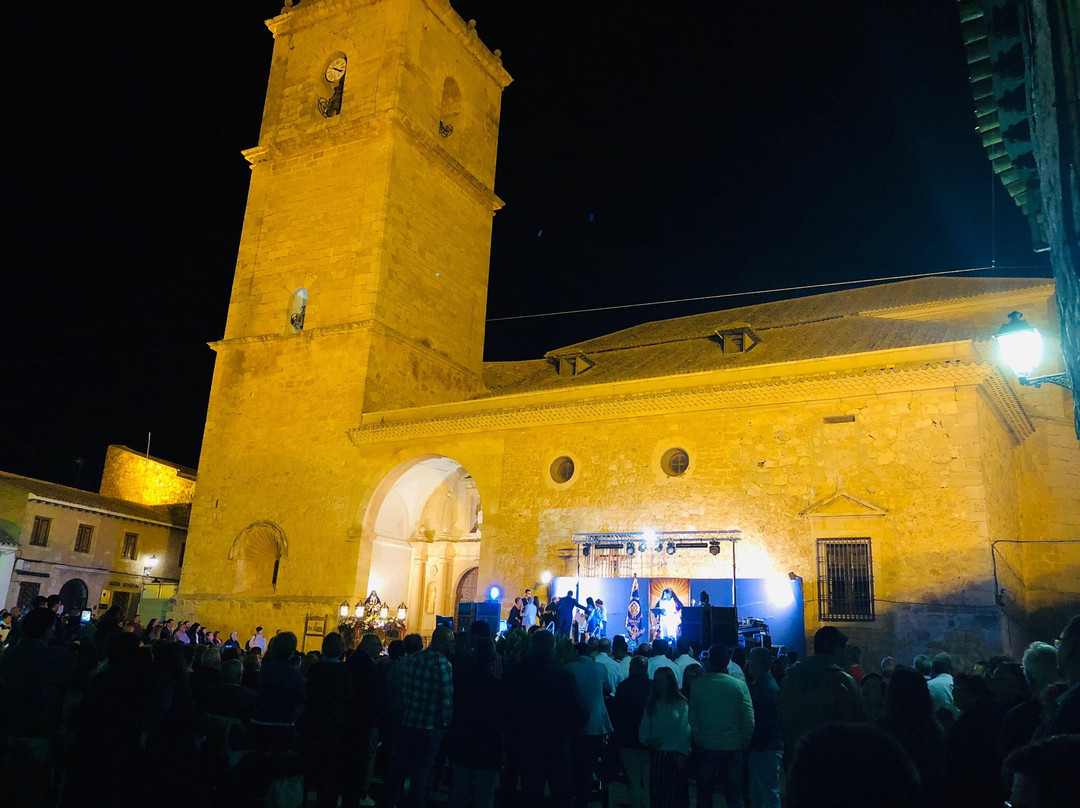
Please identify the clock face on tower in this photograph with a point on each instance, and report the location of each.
(335, 70)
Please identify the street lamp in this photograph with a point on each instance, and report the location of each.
(1021, 347)
(402, 611)
(148, 565)
(343, 609)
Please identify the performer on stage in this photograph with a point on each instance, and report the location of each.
(668, 608)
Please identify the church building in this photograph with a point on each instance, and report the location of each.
(865, 446)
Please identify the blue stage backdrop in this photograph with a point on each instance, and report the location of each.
(777, 601)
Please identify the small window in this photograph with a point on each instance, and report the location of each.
(845, 580)
(572, 364)
(675, 462)
(83, 538)
(736, 338)
(131, 546)
(298, 309)
(562, 469)
(28, 590)
(39, 536)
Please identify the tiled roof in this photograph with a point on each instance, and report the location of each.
(805, 328)
(173, 515)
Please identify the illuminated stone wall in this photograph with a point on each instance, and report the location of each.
(134, 477)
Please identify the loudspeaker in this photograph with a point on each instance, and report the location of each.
(707, 625)
(490, 611)
(466, 613)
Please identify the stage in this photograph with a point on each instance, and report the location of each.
(777, 601)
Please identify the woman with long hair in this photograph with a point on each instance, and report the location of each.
(665, 729)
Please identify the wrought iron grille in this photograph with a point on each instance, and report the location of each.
(845, 580)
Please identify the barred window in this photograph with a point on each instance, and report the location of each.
(83, 537)
(845, 580)
(39, 537)
(131, 545)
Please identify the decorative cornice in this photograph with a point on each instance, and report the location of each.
(762, 392)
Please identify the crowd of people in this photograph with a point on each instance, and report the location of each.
(104, 715)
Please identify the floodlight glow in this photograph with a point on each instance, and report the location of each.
(648, 535)
(494, 593)
(545, 577)
(779, 590)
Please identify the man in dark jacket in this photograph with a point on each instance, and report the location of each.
(564, 613)
(542, 705)
(767, 743)
(473, 739)
(818, 690)
(329, 688)
(626, 712)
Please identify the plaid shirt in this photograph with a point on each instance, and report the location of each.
(426, 694)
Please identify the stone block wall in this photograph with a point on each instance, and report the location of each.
(134, 477)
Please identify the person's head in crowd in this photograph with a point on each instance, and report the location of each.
(594, 644)
(643, 649)
(943, 663)
(1045, 774)
(232, 671)
(830, 642)
(738, 656)
(691, 673)
(872, 695)
(485, 653)
(480, 628)
(719, 656)
(371, 645)
(923, 665)
(252, 661)
(38, 623)
(665, 689)
(1068, 646)
(876, 769)
(660, 647)
(907, 699)
(852, 655)
(211, 658)
(792, 657)
(395, 651)
(619, 646)
(682, 647)
(333, 646)
(442, 640)
(888, 665)
(1040, 665)
(969, 690)
(582, 649)
(603, 646)
(122, 649)
(414, 644)
(281, 648)
(229, 652)
(39, 602)
(54, 604)
(639, 666)
(760, 662)
(542, 646)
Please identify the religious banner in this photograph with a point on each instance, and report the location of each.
(667, 596)
(633, 614)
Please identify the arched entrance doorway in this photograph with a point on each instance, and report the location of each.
(426, 536)
(73, 595)
(466, 587)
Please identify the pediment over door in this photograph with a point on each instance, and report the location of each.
(844, 505)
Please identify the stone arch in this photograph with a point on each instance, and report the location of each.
(423, 523)
(450, 106)
(74, 595)
(466, 586)
(257, 552)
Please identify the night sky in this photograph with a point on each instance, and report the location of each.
(649, 151)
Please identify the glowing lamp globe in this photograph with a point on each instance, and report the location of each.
(1021, 345)
(494, 593)
(545, 577)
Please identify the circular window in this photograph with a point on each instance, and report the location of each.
(675, 462)
(562, 469)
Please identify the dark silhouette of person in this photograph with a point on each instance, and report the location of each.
(564, 613)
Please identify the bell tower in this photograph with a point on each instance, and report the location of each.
(361, 279)
(369, 215)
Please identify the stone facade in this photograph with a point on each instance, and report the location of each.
(373, 449)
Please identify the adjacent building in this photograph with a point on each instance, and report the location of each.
(121, 547)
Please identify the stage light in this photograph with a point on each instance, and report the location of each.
(642, 547)
(585, 550)
(671, 548)
(779, 588)
(714, 548)
(659, 546)
(494, 593)
(630, 549)
(545, 577)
